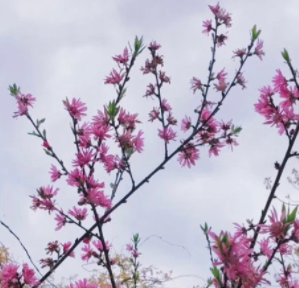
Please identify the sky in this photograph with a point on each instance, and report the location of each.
(57, 49)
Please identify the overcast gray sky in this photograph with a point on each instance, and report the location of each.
(54, 49)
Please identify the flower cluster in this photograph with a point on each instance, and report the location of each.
(113, 124)
(283, 115)
(10, 277)
(238, 260)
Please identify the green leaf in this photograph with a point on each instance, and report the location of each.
(285, 55)
(136, 238)
(204, 228)
(112, 109)
(14, 90)
(283, 209)
(216, 274)
(237, 130)
(129, 151)
(136, 276)
(34, 134)
(38, 122)
(123, 92)
(138, 45)
(42, 120)
(255, 33)
(291, 217)
(225, 240)
(47, 152)
(44, 133)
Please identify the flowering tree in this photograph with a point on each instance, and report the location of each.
(125, 264)
(239, 259)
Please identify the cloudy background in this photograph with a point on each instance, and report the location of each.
(54, 49)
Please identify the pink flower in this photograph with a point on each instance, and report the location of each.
(165, 106)
(258, 49)
(221, 14)
(154, 46)
(163, 77)
(221, 86)
(295, 235)
(265, 248)
(47, 192)
(102, 119)
(47, 145)
(9, 275)
(83, 284)
(46, 204)
(196, 84)
(186, 124)
(29, 276)
(49, 262)
(279, 81)
(241, 80)
(221, 76)
(100, 132)
(265, 105)
(92, 183)
(154, 114)
(150, 90)
(122, 59)
(129, 247)
(23, 102)
(99, 245)
(231, 142)
(215, 9)
(136, 254)
(114, 78)
(98, 198)
(76, 108)
(225, 126)
(215, 148)
(233, 253)
(78, 213)
(66, 247)
(127, 120)
(240, 230)
(206, 117)
(138, 142)
(52, 247)
(171, 120)
(277, 229)
(220, 40)
(290, 96)
(285, 249)
(76, 178)
(84, 133)
(239, 53)
(207, 25)
(84, 158)
(55, 173)
(148, 67)
(188, 155)
(88, 253)
(167, 134)
(61, 221)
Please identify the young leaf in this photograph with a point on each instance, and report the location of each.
(286, 56)
(34, 134)
(14, 90)
(255, 33)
